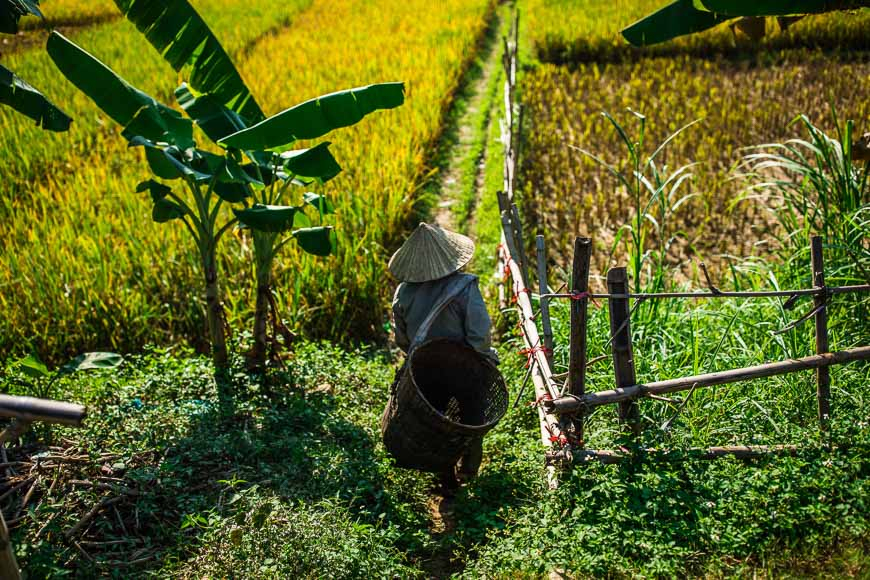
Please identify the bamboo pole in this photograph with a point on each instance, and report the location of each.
(520, 243)
(33, 409)
(546, 326)
(823, 374)
(708, 453)
(724, 294)
(620, 333)
(8, 565)
(619, 395)
(577, 352)
(542, 376)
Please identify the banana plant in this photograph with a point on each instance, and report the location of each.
(690, 16)
(273, 223)
(222, 105)
(15, 92)
(257, 166)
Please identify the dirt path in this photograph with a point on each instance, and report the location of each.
(460, 176)
(459, 186)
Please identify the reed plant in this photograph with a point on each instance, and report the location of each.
(812, 186)
(656, 194)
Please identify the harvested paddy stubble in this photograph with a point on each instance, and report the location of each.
(742, 103)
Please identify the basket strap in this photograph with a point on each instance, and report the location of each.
(454, 289)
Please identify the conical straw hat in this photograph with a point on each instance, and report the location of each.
(430, 253)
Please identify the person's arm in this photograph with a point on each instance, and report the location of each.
(400, 326)
(478, 324)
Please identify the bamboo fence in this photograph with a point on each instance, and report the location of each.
(562, 409)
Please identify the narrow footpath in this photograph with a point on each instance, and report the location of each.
(459, 188)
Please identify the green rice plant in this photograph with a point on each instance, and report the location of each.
(813, 187)
(224, 109)
(656, 195)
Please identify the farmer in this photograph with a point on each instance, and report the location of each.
(428, 264)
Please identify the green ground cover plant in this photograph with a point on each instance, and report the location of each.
(299, 464)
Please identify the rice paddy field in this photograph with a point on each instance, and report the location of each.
(743, 93)
(288, 477)
(83, 263)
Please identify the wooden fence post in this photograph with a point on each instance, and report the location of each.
(823, 374)
(620, 333)
(577, 352)
(520, 244)
(8, 565)
(544, 288)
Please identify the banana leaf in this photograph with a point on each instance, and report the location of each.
(120, 100)
(183, 38)
(676, 19)
(320, 241)
(28, 101)
(11, 12)
(157, 190)
(267, 218)
(161, 125)
(165, 210)
(317, 117)
(732, 8)
(215, 120)
(316, 162)
(315, 200)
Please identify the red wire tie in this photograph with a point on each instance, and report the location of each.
(582, 295)
(516, 297)
(544, 397)
(530, 353)
(560, 439)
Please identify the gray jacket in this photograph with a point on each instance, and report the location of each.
(465, 318)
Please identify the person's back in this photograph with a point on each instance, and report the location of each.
(464, 319)
(428, 266)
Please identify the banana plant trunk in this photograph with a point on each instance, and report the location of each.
(214, 309)
(264, 252)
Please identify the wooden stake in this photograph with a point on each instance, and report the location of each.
(543, 288)
(823, 374)
(8, 565)
(520, 242)
(620, 332)
(577, 352)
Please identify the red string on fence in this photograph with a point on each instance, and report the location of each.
(516, 297)
(561, 439)
(584, 295)
(530, 353)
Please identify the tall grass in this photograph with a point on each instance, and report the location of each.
(812, 187)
